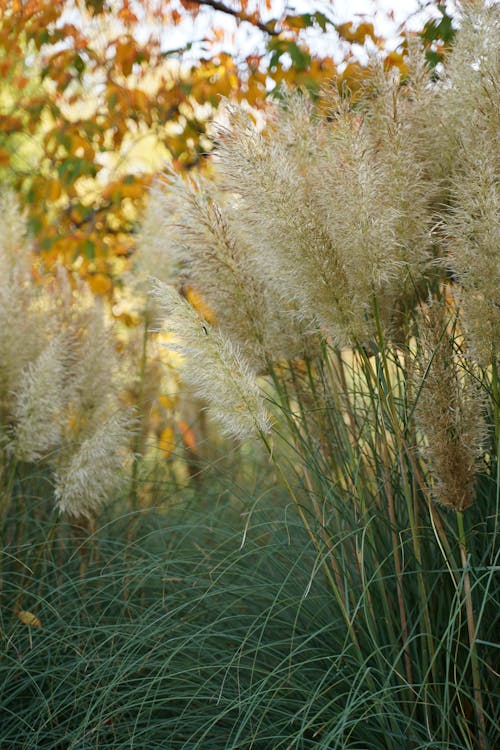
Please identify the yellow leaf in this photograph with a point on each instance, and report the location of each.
(396, 60)
(155, 419)
(296, 22)
(28, 618)
(166, 441)
(130, 320)
(168, 402)
(81, 147)
(54, 190)
(196, 300)
(100, 284)
(133, 190)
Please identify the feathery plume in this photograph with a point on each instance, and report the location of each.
(24, 330)
(448, 411)
(214, 368)
(279, 219)
(87, 478)
(470, 106)
(335, 216)
(38, 408)
(15, 248)
(58, 392)
(155, 255)
(472, 232)
(217, 261)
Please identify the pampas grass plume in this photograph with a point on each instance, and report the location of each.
(213, 367)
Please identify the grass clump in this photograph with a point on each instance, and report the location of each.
(197, 634)
(353, 227)
(60, 380)
(351, 274)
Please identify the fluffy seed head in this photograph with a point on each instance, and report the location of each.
(214, 368)
(39, 405)
(449, 412)
(89, 477)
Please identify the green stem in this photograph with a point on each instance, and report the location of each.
(471, 627)
(387, 398)
(47, 545)
(496, 418)
(6, 492)
(496, 400)
(334, 578)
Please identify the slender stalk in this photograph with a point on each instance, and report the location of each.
(5, 501)
(385, 391)
(399, 575)
(6, 491)
(471, 628)
(496, 401)
(46, 546)
(137, 443)
(335, 582)
(496, 417)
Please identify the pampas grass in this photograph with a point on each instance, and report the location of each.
(340, 591)
(59, 381)
(388, 261)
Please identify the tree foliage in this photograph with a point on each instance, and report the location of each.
(93, 101)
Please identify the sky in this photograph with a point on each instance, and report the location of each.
(386, 15)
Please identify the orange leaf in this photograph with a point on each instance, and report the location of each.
(28, 618)
(126, 53)
(188, 436)
(191, 7)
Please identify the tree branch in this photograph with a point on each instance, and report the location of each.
(239, 15)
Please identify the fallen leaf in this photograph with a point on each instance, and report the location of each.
(28, 618)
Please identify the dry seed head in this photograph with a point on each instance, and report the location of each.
(58, 393)
(375, 193)
(220, 263)
(467, 98)
(472, 234)
(469, 106)
(449, 411)
(25, 324)
(87, 478)
(280, 220)
(214, 368)
(15, 248)
(156, 253)
(39, 403)
(335, 216)
(93, 368)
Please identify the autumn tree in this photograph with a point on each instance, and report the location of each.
(94, 100)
